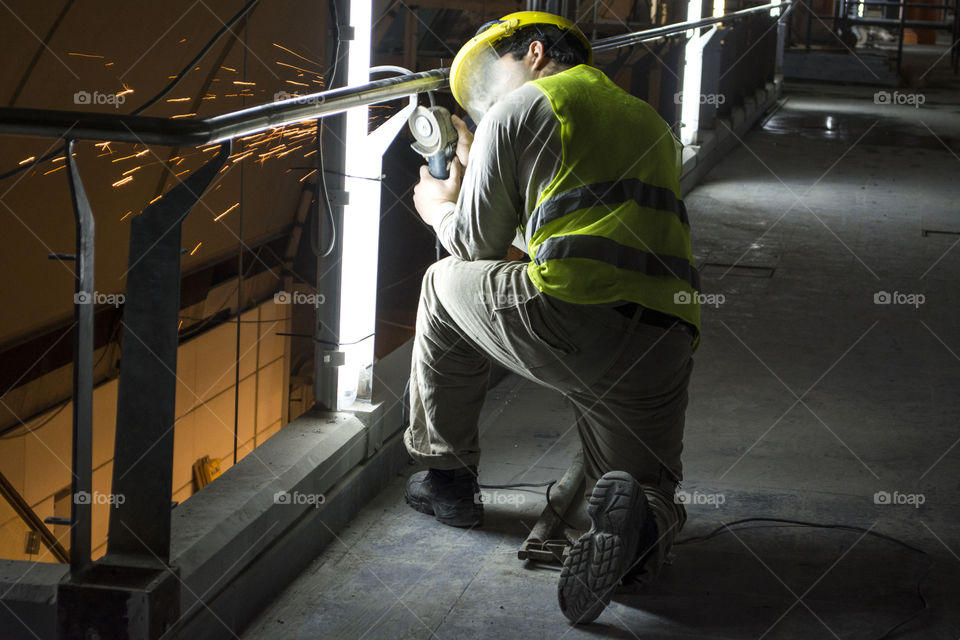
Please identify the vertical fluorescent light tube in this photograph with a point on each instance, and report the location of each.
(692, 73)
(361, 226)
(718, 8)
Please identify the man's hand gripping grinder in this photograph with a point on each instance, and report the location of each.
(435, 138)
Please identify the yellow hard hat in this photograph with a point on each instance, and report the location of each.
(471, 82)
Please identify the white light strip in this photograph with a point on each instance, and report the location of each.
(692, 74)
(361, 225)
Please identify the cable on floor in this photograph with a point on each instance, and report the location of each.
(924, 605)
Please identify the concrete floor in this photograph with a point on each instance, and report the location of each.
(807, 399)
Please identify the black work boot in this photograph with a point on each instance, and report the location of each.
(452, 497)
(619, 535)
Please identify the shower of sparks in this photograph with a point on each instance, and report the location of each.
(226, 212)
(293, 141)
(196, 247)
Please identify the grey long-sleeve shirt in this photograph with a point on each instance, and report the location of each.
(516, 153)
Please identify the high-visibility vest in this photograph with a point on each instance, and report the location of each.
(612, 225)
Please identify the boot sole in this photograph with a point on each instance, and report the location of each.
(602, 556)
(447, 515)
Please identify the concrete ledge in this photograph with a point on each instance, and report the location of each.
(217, 532)
(228, 604)
(29, 599)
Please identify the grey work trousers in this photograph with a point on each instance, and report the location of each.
(627, 381)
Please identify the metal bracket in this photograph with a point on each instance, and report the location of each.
(143, 455)
(82, 461)
(333, 358)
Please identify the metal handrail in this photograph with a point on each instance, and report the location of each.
(51, 123)
(615, 42)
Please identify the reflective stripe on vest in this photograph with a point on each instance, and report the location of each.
(618, 255)
(607, 194)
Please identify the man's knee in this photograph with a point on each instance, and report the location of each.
(437, 278)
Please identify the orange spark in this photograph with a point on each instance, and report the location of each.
(295, 54)
(284, 64)
(226, 212)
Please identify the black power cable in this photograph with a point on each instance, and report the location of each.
(727, 527)
(924, 605)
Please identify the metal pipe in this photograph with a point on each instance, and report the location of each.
(615, 42)
(50, 123)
